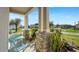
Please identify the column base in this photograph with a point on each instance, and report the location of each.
(26, 35)
(43, 42)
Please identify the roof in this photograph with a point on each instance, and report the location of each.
(20, 10)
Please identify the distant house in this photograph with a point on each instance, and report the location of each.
(77, 26)
(12, 27)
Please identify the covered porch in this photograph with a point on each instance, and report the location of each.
(42, 42)
(43, 29)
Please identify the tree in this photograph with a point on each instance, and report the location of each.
(36, 25)
(66, 26)
(58, 26)
(12, 22)
(51, 24)
(17, 22)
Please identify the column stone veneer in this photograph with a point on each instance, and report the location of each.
(42, 41)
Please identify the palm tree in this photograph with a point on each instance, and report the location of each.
(12, 22)
(17, 22)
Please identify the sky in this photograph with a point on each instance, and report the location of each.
(57, 15)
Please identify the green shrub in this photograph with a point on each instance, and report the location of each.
(32, 32)
(56, 40)
(51, 29)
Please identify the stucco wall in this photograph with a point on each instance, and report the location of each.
(4, 18)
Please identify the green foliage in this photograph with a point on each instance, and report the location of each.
(15, 22)
(12, 22)
(51, 24)
(34, 25)
(51, 29)
(20, 30)
(66, 26)
(56, 40)
(32, 32)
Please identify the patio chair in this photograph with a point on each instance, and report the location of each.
(16, 43)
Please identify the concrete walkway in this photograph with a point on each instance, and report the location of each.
(70, 33)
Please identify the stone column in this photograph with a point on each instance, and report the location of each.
(26, 35)
(43, 42)
(4, 28)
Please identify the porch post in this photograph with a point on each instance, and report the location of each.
(4, 25)
(26, 22)
(43, 42)
(26, 35)
(43, 19)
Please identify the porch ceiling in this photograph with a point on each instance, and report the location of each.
(20, 10)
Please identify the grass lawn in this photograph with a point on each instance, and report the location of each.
(20, 30)
(13, 30)
(73, 38)
(70, 30)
